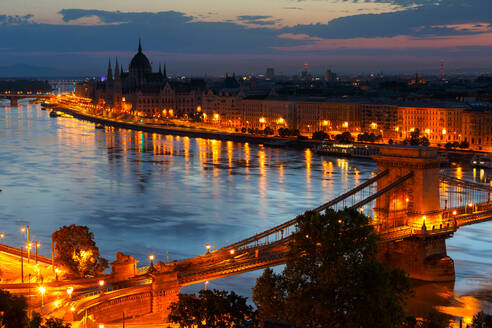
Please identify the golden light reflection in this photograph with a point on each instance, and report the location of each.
(459, 172)
(262, 183)
(230, 152)
(186, 146)
(308, 156)
(247, 151)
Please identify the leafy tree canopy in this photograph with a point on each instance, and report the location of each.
(76, 250)
(12, 310)
(211, 309)
(332, 277)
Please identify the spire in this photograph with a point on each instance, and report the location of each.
(116, 70)
(165, 71)
(160, 69)
(139, 45)
(121, 70)
(110, 72)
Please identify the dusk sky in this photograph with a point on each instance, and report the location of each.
(217, 36)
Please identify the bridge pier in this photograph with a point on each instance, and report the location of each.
(422, 259)
(14, 102)
(414, 205)
(165, 290)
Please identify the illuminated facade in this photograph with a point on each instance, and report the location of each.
(439, 124)
(143, 92)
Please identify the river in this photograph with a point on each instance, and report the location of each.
(147, 193)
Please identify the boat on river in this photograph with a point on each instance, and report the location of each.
(482, 161)
(54, 113)
(347, 150)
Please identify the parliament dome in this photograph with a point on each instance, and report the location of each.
(140, 63)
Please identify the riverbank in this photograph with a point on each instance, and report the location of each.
(191, 132)
(453, 156)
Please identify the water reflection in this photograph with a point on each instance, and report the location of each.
(146, 193)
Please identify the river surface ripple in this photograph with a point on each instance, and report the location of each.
(146, 193)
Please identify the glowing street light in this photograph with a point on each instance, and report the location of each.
(262, 120)
(151, 258)
(374, 125)
(72, 309)
(69, 292)
(207, 246)
(2, 235)
(232, 251)
(345, 124)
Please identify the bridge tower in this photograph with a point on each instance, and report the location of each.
(413, 204)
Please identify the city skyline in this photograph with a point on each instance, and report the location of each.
(216, 36)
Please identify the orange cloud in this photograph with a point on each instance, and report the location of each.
(397, 42)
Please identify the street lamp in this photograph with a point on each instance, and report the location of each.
(232, 251)
(26, 230)
(101, 284)
(69, 292)
(208, 248)
(151, 258)
(36, 245)
(2, 235)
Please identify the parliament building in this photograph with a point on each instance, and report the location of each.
(142, 92)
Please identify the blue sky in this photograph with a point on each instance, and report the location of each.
(214, 36)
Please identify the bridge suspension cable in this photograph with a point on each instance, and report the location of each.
(280, 228)
(382, 191)
(463, 183)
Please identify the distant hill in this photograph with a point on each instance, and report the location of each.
(25, 70)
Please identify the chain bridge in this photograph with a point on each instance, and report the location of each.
(412, 207)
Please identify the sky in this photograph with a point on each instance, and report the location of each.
(198, 37)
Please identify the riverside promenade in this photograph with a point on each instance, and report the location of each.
(189, 132)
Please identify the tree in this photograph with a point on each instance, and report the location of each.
(36, 320)
(55, 323)
(464, 144)
(345, 137)
(436, 319)
(479, 320)
(269, 296)
(212, 309)
(12, 310)
(319, 135)
(76, 251)
(332, 277)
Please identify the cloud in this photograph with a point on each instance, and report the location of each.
(413, 21)
(389, 43)
(419, 28)
(258, 20)
(15, 20)
(170, 17)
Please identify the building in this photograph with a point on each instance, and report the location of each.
(142, 92)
